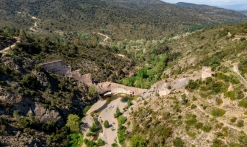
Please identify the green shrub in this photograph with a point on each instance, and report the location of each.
(106, 124)
(24, 122)
(243, 103)
(218, 112)
(27, 131)
(121, 134)
(240, 123)
(192, 85)
(92, 91)
(118, 113)
(100, 142)
(198, 125)
(76, 140)
(30, 81)
(218, 143)
(191, 134)
(219, 101)
(230, 94)
(243, 139)
(137, 141)
(121, 119)
(191, 121)
(93, 128)
(85, 110)
(233, 119)
(73, 123)
(193, 106)
(178, 142)
(89, 143)
(206, 128)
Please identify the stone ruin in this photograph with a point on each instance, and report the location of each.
(115, 88)
(59, 67)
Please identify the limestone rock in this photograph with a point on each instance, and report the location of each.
(164, 92)
(9, 97)
(45, 115)
(42, 78)
(206, 72)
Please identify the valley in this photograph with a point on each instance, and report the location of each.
(114, 73)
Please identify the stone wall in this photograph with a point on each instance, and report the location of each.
(118, 88)
(59, 67)
(56, 67)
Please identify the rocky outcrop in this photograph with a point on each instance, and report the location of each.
(86, 78)
(42, 78)
(56, 67)
(206, 72)
(20, 139)
(45, 115)
(9, 97)
(17, 64)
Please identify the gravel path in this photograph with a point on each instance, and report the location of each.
(107, 111)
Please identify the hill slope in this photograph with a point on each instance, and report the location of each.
(120, 20)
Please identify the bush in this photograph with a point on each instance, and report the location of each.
(218, 143)
(100, 142)
(73, 123)
(243, 103)
(118, 113)
(191, 134)
(243, 139)
(24, 122)
(106, 124)
(93, 128)
(121, 119)
(178, 142)
(218, 112)
(137, 141)
(230, 94)
(198, 125)
(92, 91)
(219, 101)
(76, 140)
(192, 85)
(193, 106)
(121, 134)
(240, 123)
(206, 128)
(30, 81)
(85, 110)
(233, 119)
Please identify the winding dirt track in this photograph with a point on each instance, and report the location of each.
(220, 120)
(106, 36)
(109, 135)
(4, 51)
(235, 69)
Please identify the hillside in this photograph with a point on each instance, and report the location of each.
(202, 93)
(114, 73)
(120, 20)
(244, 12)
(196, 88)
